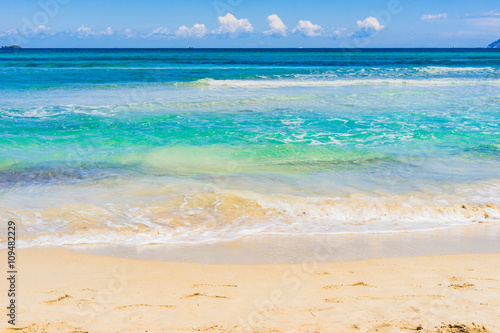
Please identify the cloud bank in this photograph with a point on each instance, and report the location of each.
(228, 27)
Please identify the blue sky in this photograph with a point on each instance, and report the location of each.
(249, 23)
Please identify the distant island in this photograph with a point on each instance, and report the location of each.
(495, 45)
(12, 47)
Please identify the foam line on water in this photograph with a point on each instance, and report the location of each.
(208, 82)
(219, 215)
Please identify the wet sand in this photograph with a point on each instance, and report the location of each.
(476, 238)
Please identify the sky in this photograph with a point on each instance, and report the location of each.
(249, 23)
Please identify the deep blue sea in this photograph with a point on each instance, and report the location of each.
(139, 146)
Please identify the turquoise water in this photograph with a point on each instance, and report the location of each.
(164, 146)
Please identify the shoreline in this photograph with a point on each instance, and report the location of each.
(290, 249)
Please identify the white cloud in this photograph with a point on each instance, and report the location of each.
(197, 30)
(37, 32)
(276, 27)
(40, 30)
(107, 32)
(434, 17)
(370, 24)
(129, 33)
(232, 27)
(308, 29)
(367, 28)
(489, 21)
(84, 32)
(338, 33)
(158, 33)
(9, 33)
(491, 13)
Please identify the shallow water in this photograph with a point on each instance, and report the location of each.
(168, 146)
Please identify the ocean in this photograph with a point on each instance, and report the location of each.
(163, 146)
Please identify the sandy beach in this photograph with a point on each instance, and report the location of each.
(64, 291)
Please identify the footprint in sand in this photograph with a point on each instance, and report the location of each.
(321, 309)
(203, 295)
(458, 328)
(59, 299)
(52, 292)
(454, 278)
(373, 298)
(460, 285)
(207, 328)
(214, 285)
(333, 300)
(143, 305)
(358, 284)
(60, 292)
